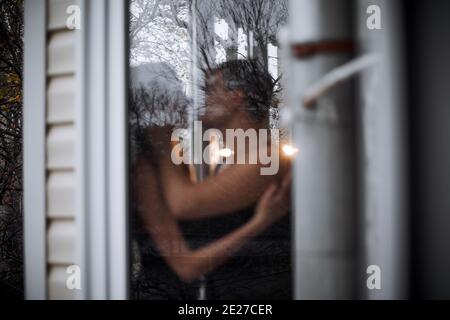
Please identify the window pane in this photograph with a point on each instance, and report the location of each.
(205, 90)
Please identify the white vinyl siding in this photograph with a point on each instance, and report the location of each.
(60, 150)
(60, 147)
(60, 100)
(60, 237)
(57, 14)
(61, 53)
(61, 195)
(57, 283)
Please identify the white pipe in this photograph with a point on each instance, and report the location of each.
(336, 76)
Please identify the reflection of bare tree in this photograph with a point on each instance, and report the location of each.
(156, 99)
(146, 11)
(159, 29)
(258, 19)
(159, 33)
(263, 18)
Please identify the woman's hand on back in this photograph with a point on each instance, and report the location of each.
(274, 203)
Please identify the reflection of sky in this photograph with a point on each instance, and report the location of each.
(273, 60)
(242, 44)
(221, 29)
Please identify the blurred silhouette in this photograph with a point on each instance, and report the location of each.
(238, 94)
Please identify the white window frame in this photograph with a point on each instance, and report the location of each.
(101, 150)
(34, 171)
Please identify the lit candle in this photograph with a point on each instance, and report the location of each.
(289, 150)
(225, 152)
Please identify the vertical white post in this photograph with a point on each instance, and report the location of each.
(96, 147)
(324, 169)
(80, 166)
(117, 152)
(34, 149)
(383, 143)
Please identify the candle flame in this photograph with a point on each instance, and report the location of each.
(289, 150)
(225, 152)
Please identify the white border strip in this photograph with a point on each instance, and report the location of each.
(34, 170)
(81, 240)
(95, 145)
(117, 149)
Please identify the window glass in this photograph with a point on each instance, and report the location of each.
(209, 185)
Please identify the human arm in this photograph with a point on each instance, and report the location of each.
(163, 228)
(236, 187)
